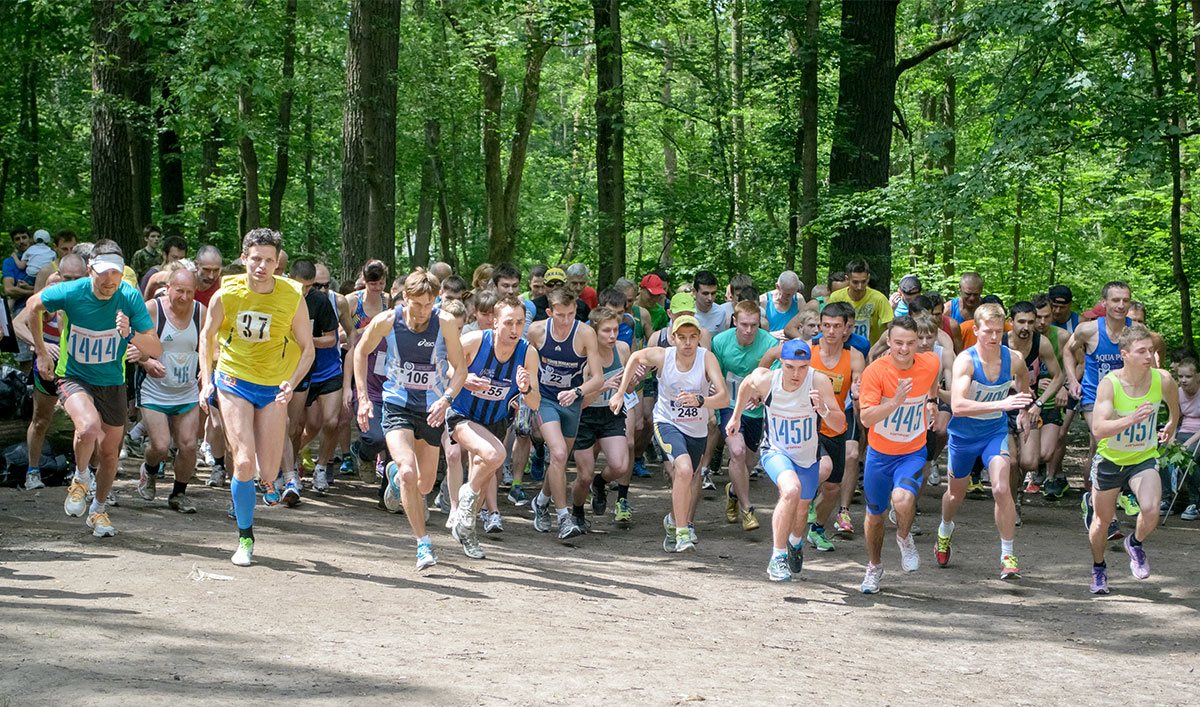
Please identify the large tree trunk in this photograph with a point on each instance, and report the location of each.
(141, 143)
(419, 258)
(210, 151)
(29, 126)
(519, 150)
(369, 136)
(670, 163)
(802, 182)
(578, 168)
(500, 236)
(737, 93)
(170, 162)
(112, 183)
(859, 159)
(279, 182)
(610, 141)
(248, 163)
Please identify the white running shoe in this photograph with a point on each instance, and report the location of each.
(320, 482)
(147, 483)
(870, 583)
(33, 481)
(100, 525)
(493, 524)
(245, 552)
(935, 474)
(910, 559)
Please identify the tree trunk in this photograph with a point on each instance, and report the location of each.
(578, 167)
(736, 74)
(1016, 249)
(310, 187)
(419, 257)
(141, 143)
(861, 152)
(670, 162)
(610, 141)
(210, 151)
(248, 163)
(369, 136)
(279, 182)
(112, 183)
(170, 162)
(492, 86)
(802, 181)
(29, 130)
(499, 252)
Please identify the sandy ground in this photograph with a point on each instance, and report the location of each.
(332, 611)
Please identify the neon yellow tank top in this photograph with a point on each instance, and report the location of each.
(255, 335)
(1138, 442)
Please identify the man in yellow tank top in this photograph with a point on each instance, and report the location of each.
(1125, 420)
(265, 337)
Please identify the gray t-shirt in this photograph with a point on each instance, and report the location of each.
(716, 319)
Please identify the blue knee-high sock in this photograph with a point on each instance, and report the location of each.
(243, 502)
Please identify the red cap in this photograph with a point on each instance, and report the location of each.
(1095, 312)
(654, 284)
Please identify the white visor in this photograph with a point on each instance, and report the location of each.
(104, 263)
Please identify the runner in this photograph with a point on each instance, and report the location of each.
(635, 327)
(872, 311)
(970, 296)
(738, 352)
(415, 398)
(909, 288)
(1057, 412)
(1125, 421)
(498, 369)
(324, 393)
(979, 396)
(266, 348)
(780, 306)
(1060, 297)
(564, 349)
(1038, 352)
(368, 303)
(599, 426)
(793, 398)
(101, 316)
(716, 318)
(686, 372)
(896, 404)
(168, 395)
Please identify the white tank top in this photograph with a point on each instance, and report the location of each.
(691, 421)
(181, 359)
(792, 421)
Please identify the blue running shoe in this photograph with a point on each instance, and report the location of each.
(639, 469)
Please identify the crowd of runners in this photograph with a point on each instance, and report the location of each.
(242, 363)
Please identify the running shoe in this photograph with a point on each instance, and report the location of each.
(639, 469)
(816, 538)
(941, 551)
(464, 532)
(347, 467)
(731, 505)
(1085, 505)
(230, 512)
(1060, 487)
(1031, 484)
(777, 569)
(147, 483)
(669, 527)
(1017, 521)
(599, 495)
(1114, 531)
(216, 477)
(443, 498)
(1138, 564)
(569, 527)
(910, 559)
(391, 494)
(870, 583)
(320, 481)
(843, 525)
(306, 459)
(749, 519)
(1008, 568)
(206, 454)
(795, 557)
(1129, 503)
(692, 534)
(1190, 513)
(757, 471)
(541, 517)
(621, 513)
(975, 488)
(506, 475)
(425, 556)
(1099, 580)
(684, 542)
(493, 524)
(134, 448)
(245, 552)
(517, 497)
(270, 493)
(706, 482)
(112, 492)
(179, 502)
(935, 474)
(102, 528)
(76, 502)
(291, 493)
(33, 481)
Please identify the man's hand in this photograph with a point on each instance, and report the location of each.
(903, 388)
(365, 412)
(206, 391)
(437, 412)
(688, 399)
(522, 379)
(154, 368)
(285, 393)
(45, 365)
(478, 384)
(1020, 401)
(123, 324)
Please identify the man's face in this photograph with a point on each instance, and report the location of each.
(810, 328)
(20, 242)
(72, 271)
(1023, 324)
(181, 291)
(1116, 303)
(747, 328)
(1140, 355)
(508, 286)
(705, 294)
(261, 262)
(281, 260)
(902, 344)
(448, 294)
(938, 312)
(1138, 314)
(418, 309)
(835, 285)
(910, 296)
(537, 286)
(105, 284)
(485, 320)
(687, 339)
(606, 334)
(833, 330)
(323, 278)
(794, 371)
(1061, 311)
(152, 240)
(989, 332)
(576, 283)
(63, 247)
(510, 323)
(858, 284)
(562, 315)
(785, 294)
(970, 292)
(630, 294)
(926, 340)
(1042, 319)
(208, 271)
(174, 254)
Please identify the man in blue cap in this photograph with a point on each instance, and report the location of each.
(793, 398)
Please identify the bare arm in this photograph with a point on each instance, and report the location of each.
(650, 358)
(302, 332)
(208, 340)
(752, 388)
(720, 397)
(771, 356)
(1102, 423)
(1170, 394)
(1046, 354)
(12, 288)
(458, 366)
(1073, 355)
(960, 387)
(369, 339)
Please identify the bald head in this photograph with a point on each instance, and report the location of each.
(72, 267)
(182, 277)
(441, 271)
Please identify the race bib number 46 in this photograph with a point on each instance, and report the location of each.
(253, 326)
(89, 346)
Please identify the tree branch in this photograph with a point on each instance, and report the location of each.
(943, 43)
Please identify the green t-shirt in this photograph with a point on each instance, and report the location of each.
(738, 362)
(658, 317)
(144, 259)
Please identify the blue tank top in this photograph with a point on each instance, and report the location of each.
(777, 320)
(984, 390)
(561, 367)
(625, 330)
(490, 406)
(412, 377)
(1100, 362)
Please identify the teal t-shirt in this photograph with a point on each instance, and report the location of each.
(737, 362)
(91, 349)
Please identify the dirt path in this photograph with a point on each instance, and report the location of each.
(332, 611)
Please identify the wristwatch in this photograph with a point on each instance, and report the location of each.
(1039, 403)
(578, 391)
(699, 401)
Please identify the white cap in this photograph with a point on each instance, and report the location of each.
(42, 236)
(107, 262)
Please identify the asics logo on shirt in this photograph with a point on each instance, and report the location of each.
(425, 343)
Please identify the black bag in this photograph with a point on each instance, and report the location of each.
(16, 395)
(55, 469)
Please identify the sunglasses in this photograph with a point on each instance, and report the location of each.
(321, 285)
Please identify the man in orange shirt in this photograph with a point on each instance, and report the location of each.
(897, 401)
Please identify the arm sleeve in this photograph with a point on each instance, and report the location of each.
(54, 296)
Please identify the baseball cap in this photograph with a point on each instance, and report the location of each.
(684, 320)
(554, 275)
(796, 350)
(683, 302)
(42, 236)
(654, 284)
(1060, 294)
(910, 284)
(107, 262)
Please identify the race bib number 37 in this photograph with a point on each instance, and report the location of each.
(253, 326)
(89, 346)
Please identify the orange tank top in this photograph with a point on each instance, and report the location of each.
(841, 375)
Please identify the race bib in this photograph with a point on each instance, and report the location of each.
(379, 368)
(552, 377)
(793, 433)
(494, 392)
(684, 413)
(181, 369)
(837, 379)
(732, 381)
(906, 423)
(631, 400)
(1140, 437)
(418, 376)
(862, 327)
(253, 326)
(88, 346)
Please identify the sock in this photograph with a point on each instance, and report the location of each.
(946, 528)
(778, 552)
(138, 433)
(319, 469)
(669, 521)
(34, 470)
(178, 487)
(219, 461)
(578, 511)
(243, 502)
(622, 491)
(424, 540)
(84, 476)
(542, 499)
(795, 540)
(516, 484)
(97, 507)
(1006, 548)
(1101, 563)
(246, 533)
(561, 513)
(1133, 540)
